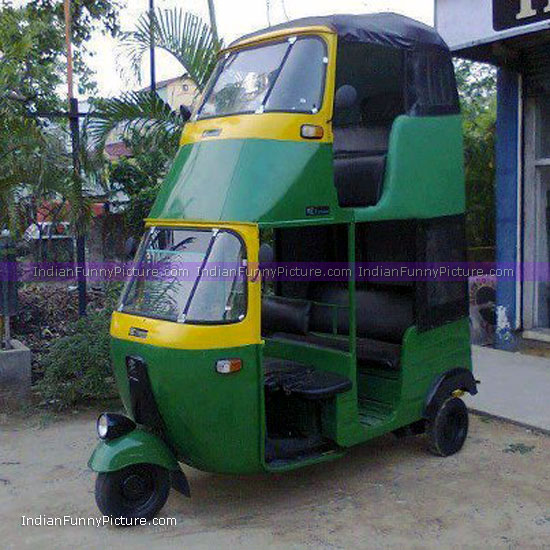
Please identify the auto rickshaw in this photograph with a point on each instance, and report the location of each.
(329, 139)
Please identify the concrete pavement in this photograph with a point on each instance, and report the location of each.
(514, 386)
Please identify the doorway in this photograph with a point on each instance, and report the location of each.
(536, 211)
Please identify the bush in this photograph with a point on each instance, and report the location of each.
(77, 367)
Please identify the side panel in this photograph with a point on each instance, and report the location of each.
(214, 421)
(425, 171)
(425, 356)
(250, 180)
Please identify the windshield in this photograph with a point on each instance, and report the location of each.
(285, 76)
(188, 275)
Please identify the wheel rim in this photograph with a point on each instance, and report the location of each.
(137, 488)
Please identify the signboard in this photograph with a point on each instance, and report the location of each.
(508, 14)
(469, 23)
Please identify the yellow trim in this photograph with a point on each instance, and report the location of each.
(167, 334)
(238, 227)
(273, 35)
(278, 126)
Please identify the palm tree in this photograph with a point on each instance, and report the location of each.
(190, 41)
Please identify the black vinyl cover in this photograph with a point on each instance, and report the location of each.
(431, 83)
(381, 315)
(383, 29)
(283, 314)
(359, 179)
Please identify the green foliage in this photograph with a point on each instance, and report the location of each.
(477, 88)
(34, 157)
(140, 178)
(189, 40)
(132, 112)
(183, 35)
(77, 367)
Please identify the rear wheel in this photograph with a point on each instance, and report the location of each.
(138, 491)
(448, 429)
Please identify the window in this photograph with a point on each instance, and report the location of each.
(188, 275)
(285, 76)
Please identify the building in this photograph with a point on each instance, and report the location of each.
(514, 35)
(178, 91)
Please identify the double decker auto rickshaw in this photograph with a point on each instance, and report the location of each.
(328, 139)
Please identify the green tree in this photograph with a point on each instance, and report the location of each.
(477, 88)
(33, 151)
(190, 41)
(139, 178)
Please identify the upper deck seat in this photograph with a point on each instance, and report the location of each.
(360, 151)
(359, 164)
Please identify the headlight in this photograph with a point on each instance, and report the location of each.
(102, 426)
(112, 425)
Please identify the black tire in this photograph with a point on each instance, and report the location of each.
(448, 430)
(138, 491)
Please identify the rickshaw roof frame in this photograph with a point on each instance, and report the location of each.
(384, 29)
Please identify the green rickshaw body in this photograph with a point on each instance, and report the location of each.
(250, 172)
(211, 421)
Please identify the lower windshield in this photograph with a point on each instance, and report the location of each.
(284, 76)
(188, 275)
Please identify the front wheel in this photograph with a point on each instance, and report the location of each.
(448, 429)
(135, 492)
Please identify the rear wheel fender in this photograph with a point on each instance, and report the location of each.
(456, 379)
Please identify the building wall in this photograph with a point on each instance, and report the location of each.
(181, 92)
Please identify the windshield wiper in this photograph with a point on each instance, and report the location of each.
(183, 315)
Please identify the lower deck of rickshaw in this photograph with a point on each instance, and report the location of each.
(297, 421)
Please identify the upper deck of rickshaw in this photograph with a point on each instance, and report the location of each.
(323, 120)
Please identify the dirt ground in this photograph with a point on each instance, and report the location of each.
(385, 494)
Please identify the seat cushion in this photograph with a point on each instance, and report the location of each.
(360, 139)
(359, 179)
(279, 313)
(381, 315)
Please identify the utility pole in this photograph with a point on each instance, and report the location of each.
(213, 24)
(152, 45)
(75, 142)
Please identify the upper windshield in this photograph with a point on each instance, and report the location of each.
(188, 275)
(285, 76)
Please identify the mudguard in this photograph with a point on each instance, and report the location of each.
(136, 447)
(455, 379)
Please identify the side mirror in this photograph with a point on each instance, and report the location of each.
(266, 254)
(185, 113)
(346, 97)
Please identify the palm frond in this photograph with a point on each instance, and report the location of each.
(184, 35)
(142, 111)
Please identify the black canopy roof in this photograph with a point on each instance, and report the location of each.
(384, 29)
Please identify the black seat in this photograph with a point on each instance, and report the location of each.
(359, 164)
(302, 380)
(359, 179)
(370, 353)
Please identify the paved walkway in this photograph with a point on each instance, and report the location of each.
(513, 386)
